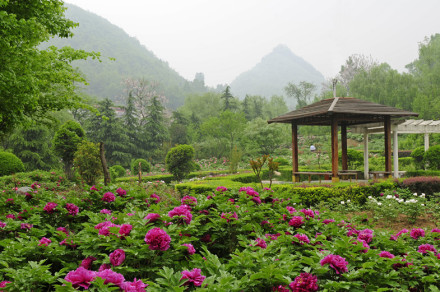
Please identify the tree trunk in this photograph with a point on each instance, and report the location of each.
(104, 164)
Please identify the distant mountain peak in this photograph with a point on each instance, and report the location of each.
(274, 72)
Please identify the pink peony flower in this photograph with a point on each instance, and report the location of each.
(152, 217)
(108, 197)
(221, 189)
(135, 286)
(50, 207)
(3, 284)
(229, 216)
(121, 192)
(386, 254)
(111, 277)
(157, 239)
(256, 199)
(155, 198)
(87, 262)
(338, 263)
(291, 209)
(104, 267)
(394, 237)
(280, 288)
(44, 241)
(191, 249)
(296, 221)
(26, 226)
(125, 229)
(72, 209)
(2, 224)
(328, 221)
(364, 244)
(417, 232)
(261, 243)
(117, 257)
(10, 216)
(308, 213)
(194, 276)
(188, 200)
(305, 282)
(63, 229)
(181, 211)
(80, 277)
(424, 248)
(93, 188)
(302, 238)
(366, 234)
(105, 211)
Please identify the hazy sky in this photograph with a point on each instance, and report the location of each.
(225, 38)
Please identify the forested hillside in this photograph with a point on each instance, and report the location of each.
(273, 73)
(131, 60)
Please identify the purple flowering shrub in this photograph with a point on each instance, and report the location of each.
(227, 240)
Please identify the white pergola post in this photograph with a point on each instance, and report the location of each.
(366, 170)
(395, 154)
(426, 142)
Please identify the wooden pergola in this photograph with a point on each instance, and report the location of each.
(343, 112)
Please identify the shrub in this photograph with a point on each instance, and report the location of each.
(355, 158)
(9, 164)
(281, 161)
(405, 162)
(145, 166)
(88, 162)
(432, 157)
(418, 155)
(119, 170)
(422, 184)
(179, 161)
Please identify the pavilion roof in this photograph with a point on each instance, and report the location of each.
(347, 110)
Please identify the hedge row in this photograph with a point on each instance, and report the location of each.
(168, 178)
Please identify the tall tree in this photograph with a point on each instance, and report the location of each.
(227, 97)
(155, 129)
(353, 65)
(35, 81)
(302, 93)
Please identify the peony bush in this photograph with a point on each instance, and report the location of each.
(148, 238)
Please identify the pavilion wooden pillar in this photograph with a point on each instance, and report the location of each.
(295, 177)
(334, 137)
(344, 147)
(387, 130)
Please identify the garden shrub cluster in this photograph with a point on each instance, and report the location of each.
(141, 238)
(145, 166)
(424, 184)
(9, 164)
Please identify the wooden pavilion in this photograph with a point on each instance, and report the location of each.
(343, 112)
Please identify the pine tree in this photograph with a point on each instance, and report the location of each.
(155, 129)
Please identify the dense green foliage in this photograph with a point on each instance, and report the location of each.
(35, 81)
(9, 163)
(418, 154)
(88, 162)
(432, 157)
(119, 170)
(145, 166)
(179, 161)
(65, 143)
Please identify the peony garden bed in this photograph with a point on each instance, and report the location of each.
(148, 238)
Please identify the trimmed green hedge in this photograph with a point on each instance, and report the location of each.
(168, 178)
(9, 164)
(422, 173)
(203, 186)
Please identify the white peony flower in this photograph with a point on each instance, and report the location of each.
(379, 204)
(342, 202)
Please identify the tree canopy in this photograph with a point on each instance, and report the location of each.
(34, 81)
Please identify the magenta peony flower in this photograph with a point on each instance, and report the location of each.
(104, 267)
(366, 235)
(80, 277)
(93, 188)
(296, 221)
(10, 216)
(105, 211)
(152, 217)
(302, 238)
(386, 254)
(111, 277)
(188, 200)
(121, 192)
(181, 211)
(109, 197)
(125, 229)
(305, 282)
(221, 189)
(50, 207)
(117, 257)
(364, 244)
(308, 213)
(135, 286)
(261, 243)
(417, 232)
(63, 229)
(3, 284)
(157, 239)
(280, 288)
(291, 209)
(87, 262)
(394, 237)
(2, 224)
(328, 221)
(194, 276)
(26, 226)
(72, 209)
(155, 198)
(424, 248)
(191, 249)
(44, 241)
(436, 230)
(229, 216)
(338, 263)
